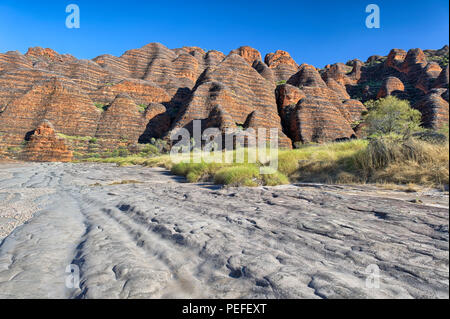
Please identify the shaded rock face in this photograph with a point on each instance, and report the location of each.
(239, 90)
(153, 91)
(339, 72)
(288, 95)
(443, 79)
(428, 76)
(434, 109)
(408, 75)
(321, 114)
(45, 146)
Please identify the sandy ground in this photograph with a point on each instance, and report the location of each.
(156, 237)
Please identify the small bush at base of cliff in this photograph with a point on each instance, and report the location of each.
(391, 116)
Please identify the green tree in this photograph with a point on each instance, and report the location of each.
(391, 115)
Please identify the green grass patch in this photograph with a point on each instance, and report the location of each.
(142, 107)
(290, 161)
(77, 138)
(196, 172)
(385, 160)
(238, 176)
(101, 106)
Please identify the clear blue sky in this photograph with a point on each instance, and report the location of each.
(315, 32)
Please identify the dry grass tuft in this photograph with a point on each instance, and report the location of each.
(385, 160)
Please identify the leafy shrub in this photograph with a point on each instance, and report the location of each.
(142, 107)
(101, 106)
(161, 145)
(391, 115)
(149, 150)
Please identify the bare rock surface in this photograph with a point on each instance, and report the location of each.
(141, 233)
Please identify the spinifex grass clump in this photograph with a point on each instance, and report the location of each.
(238, 176)
(316, 157)
(386, 150)
(391, 159)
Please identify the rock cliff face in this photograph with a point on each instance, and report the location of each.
(45, 146)
(323, 114)
(391, 86)
(111, 102)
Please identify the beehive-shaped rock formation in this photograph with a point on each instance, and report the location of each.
(391, 85)
(45, 146)
(152, 91)
(322, 115)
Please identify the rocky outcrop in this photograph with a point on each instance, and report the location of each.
(153, 91)
(288, 95)
(249, 54)
(428, 76)
(282, 65)
(443, 79)
(337, 88)
(338, 72)
(232, 84)
(307, 76)
(343, 74)
(122, 120)
(396, 58)
(415, 61)
(316, 121)
(374, 58)
(322, 115)
(410, 76)
(391, 86)
(33, 96)
(434, 109)
(45, 146)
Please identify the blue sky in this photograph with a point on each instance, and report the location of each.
(315, 32)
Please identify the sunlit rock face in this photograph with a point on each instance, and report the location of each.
(45, 146)
(153, 91)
